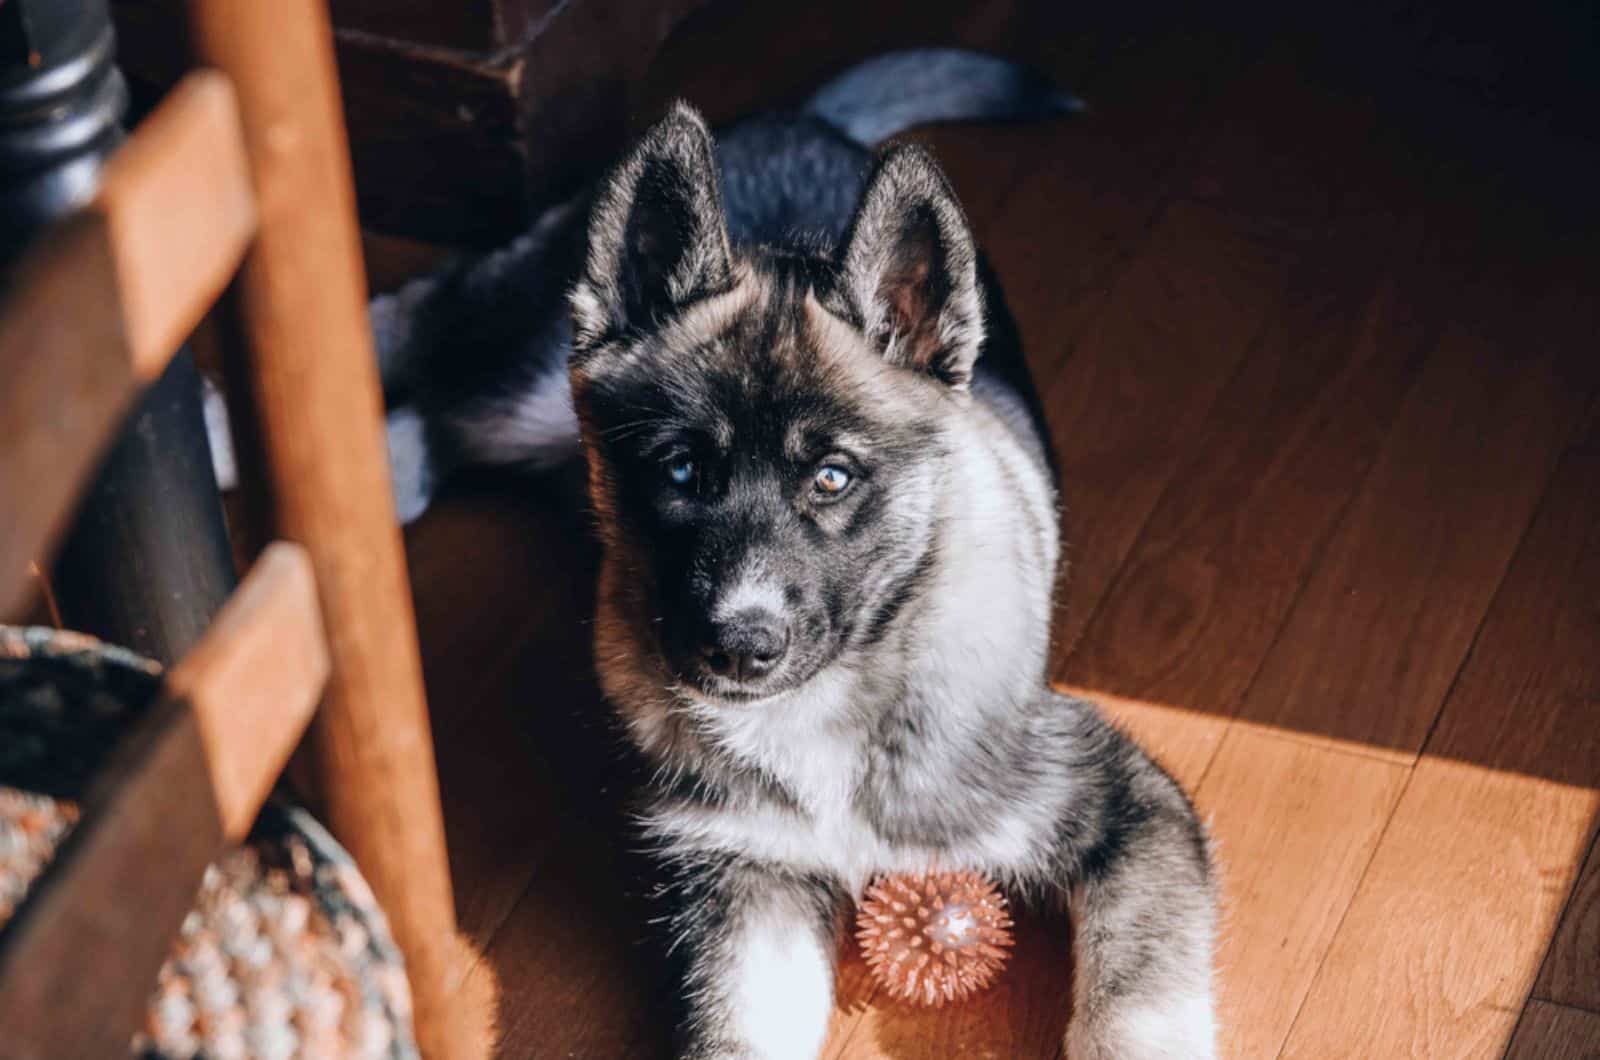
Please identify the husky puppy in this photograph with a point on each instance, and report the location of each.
(829, 522)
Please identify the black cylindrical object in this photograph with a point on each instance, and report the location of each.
(61, 104)
(147, 562)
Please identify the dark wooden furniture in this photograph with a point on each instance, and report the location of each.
(462, 112)
(466, 116)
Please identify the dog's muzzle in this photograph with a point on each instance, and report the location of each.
(745, 647)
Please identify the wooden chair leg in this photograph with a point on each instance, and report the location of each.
(308, 357)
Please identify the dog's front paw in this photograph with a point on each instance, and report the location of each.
(1183, 1028)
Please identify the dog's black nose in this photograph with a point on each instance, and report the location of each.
(748, 645)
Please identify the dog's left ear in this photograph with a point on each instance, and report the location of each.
(910, 266)
(657, 235)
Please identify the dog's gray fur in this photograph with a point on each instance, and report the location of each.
(751, 321)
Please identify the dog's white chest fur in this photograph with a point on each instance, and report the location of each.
(818, 765)
(836, 842)
(828, 832)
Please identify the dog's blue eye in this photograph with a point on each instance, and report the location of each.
(680, 469)
(832, 480)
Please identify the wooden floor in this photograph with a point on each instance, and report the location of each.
(1322, 372)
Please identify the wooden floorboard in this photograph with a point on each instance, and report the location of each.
(1525, 702)
(1079, 209)
(1479, 857)
(486, 688)
(1208, 281)
(1554, 1032)
(572, 949)
(1224, 554)
(1441, 943)
(1386, 618)
(1571, 972)
(1286, 873)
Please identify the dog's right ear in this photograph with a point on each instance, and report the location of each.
(657, 236)
(910, 268)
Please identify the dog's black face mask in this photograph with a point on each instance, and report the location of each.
(761, 429)
(753, 509)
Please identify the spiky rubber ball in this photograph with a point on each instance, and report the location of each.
(934, 937)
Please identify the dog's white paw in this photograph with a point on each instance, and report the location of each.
(410, 464)
(782, 991)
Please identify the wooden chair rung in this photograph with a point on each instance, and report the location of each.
(67, 378)
(98, 307)
(189, 778)
(254, 680)
(179, 204)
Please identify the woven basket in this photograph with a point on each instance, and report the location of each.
(285, 953)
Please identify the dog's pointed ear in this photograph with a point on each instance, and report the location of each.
(910, 267)
(657, 235)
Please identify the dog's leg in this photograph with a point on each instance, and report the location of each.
(760, 954)
(1143, 918)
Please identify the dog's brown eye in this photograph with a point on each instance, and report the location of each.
(832, 480)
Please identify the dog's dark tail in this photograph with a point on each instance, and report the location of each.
(891, 93)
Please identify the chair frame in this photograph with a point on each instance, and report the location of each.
(242, 176)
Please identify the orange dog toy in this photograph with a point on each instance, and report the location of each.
(937, 937)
